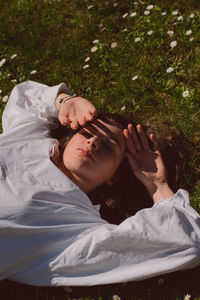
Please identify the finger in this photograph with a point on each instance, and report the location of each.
(155, 143)
(89, 117)
(129, 142)
(93, 112)
(143, 138)
(74, 124)
(82, 120)
(134, 136)
(64, 120)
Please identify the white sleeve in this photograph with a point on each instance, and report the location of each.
(31, 103)
(157, 240)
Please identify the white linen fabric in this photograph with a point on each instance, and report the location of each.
(51, 234)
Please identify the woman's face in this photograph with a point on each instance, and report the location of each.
(95, 152)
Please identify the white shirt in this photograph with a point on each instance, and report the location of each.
(51, 234)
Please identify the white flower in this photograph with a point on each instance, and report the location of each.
(137, 39)
(123, 107)
(8, 75)
(33, 72)
(124, 30)
(191, 16)
(113, 45)
(5, 98)
(93, 49)
(191, 39)
(150, 32)
(175, 13)
(115, 4)
(133, 14)
(135, 3)
(135, 77)
(125, 15)
(163, 13)
(187, 297)
(90, 6)
(185, 94)
(2, 62)
(146, 12)
(14, 80)
(170, 69)
(149, 7)
(0, 91)
(173, 44)
(180, 18)
(188, 32)
(87, 59)
(13, 56)
(95, 41)
(170, 32)
(85, 66)
(116, 297)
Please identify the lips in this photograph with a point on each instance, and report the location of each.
(86, 152)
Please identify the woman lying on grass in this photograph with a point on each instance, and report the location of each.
(51, 233)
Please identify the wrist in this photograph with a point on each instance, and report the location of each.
(160, 191)
(61, 99)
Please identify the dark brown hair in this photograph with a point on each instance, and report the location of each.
(127, 195)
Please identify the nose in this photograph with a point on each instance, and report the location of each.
(94, 142)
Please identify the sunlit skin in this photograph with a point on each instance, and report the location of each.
(93, 155)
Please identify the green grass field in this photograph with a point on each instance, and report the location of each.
(140, 58)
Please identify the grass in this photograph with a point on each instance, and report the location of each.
(52, 40)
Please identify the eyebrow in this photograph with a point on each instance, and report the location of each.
(110, 135)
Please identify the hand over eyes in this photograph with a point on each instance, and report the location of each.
(146, 163)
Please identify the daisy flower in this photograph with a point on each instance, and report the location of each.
(95, 41)
(0, 91)
(191, 39)
(113, 45)
(125, 15)
(173, 44)
(85, 66)
(169, 70)
(2, 62)
(187, 297)
(115, 4)
(175, 13)
(8, 75)
(123, 107)
(135, 77)
(33, 72)
(90, 6)
(170, 32)
(188, 32)
(146, 12)
(133, 14)
(124, 30)
(5, 98)
(180, 18)
(116, 297)
(191, 15)
(185, 94)
(14, 80)
(150, 32)
(13, 56)
(137, 39)
(163, 13)
(87, 59)
(93, 49)
(149, 7)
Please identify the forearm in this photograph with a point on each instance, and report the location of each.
(160, 191)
